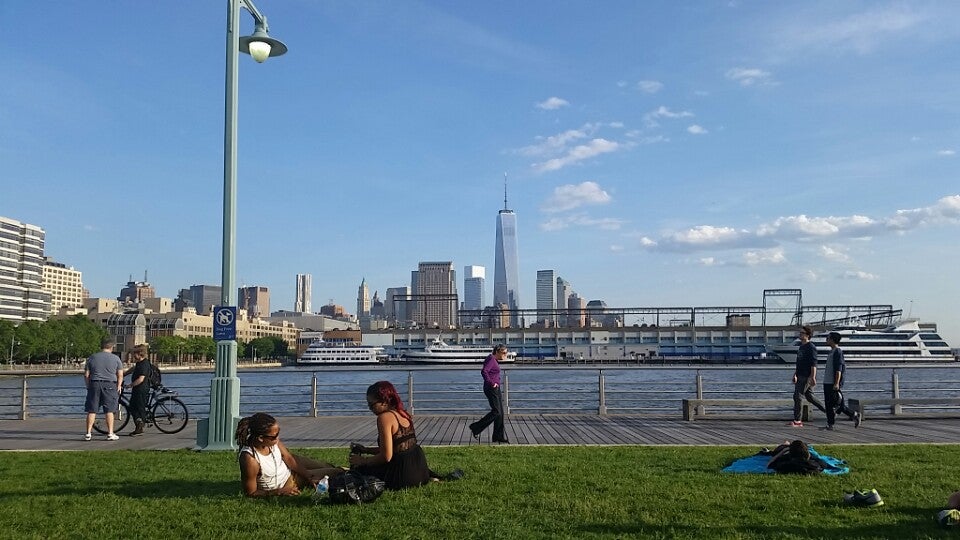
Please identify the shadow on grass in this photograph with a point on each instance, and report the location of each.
(921, 528)
(158, 489)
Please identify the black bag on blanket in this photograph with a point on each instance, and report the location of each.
(354, 488)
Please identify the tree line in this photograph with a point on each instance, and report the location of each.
(77, 337)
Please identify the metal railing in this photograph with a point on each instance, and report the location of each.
(438, 390)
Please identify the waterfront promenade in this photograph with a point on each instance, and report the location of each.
(436, 430)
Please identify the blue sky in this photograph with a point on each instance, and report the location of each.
(658, 153)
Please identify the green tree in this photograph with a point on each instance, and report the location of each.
(263, 347)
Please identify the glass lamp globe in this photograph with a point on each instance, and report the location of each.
(259, 50)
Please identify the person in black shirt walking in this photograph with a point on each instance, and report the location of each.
(834, 375)
(805, 376)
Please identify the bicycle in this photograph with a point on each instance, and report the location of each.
(164, 410)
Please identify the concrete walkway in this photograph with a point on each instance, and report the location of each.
(339, 431)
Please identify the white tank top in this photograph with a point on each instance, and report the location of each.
(274, 473)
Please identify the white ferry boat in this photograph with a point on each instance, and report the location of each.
(325, 352)
(440, 352)
(905, 341)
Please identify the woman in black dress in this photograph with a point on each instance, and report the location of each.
(397, 460)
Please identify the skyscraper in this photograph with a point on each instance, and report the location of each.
(64, 283)
(395, 304)
(473, 287)
(304, 292)
(363, 300)
(22, 297)
(546, 297)
(506, 279)
(437, 288)
(564, 290)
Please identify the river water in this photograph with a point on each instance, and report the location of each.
(457, 390)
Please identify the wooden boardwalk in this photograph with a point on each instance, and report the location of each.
(339, 431)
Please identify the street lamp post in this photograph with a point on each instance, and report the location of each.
(216, 432)
(13, 341)
(66, 349)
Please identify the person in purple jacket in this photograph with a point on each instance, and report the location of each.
(491, 389)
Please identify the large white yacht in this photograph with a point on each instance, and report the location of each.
(440, 352)
(905, 341)
(325, 352)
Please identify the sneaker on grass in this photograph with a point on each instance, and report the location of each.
(869, 498)
(949, 518)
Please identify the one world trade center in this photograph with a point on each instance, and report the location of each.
(506, 279)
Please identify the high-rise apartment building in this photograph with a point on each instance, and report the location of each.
(577, 309)
(256, 300)
(64, 283)
(363, 300)
(22, 297)
(546, 297)
(304, 292)
(473, 287)
(506, 275)
(436, 305)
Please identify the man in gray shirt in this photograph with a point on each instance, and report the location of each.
(103, 376)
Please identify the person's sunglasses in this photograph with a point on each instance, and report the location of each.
(271, 437)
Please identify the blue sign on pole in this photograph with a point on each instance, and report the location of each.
(225, 323)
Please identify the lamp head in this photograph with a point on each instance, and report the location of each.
(260, 45)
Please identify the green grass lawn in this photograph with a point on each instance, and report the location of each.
(508, 492)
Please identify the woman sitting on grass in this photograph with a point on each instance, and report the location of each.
(266, 466)
(397, 460)
(795, 458)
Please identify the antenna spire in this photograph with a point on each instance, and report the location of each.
(505, 207)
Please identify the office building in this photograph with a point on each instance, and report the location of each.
(363, 300)
(64, 283)
(473, 287)
(200, 297)
(22, 297)
(576, 311)
(564, 290)
(546, 297)
(436, 294)
(506, 276)
(135, 292)
(396, 304)
(256, 300)
(302, 302)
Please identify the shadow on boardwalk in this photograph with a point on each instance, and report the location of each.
(339, 431)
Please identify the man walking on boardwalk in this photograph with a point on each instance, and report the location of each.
(491, 389)
(805, 376)
(104, 378)
(833, 381)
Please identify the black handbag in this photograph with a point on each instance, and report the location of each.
(355, 488)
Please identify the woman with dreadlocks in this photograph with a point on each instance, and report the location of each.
(397, 459)
(267, 467)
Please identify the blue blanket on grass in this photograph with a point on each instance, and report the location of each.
(757, 464)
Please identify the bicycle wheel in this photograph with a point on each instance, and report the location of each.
(120, 420)
(170, 415)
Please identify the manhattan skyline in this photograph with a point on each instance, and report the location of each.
(658, 153)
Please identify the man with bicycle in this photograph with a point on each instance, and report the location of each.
(140, 384)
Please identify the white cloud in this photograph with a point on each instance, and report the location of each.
(559, 223)
(861, 32)
(555, 143)
(90, 228)
(859, 275)
(808, 276)
(802, 228)
(578, 153)
(697, 130)
(552, 103)
(773, 256)
(622, 84)
(570, 196)
(616, 248)
(650, 87)
(709, 261)
(832, 254)
(946, 152)
(750, 76)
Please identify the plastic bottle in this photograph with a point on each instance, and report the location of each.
(322, 487)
